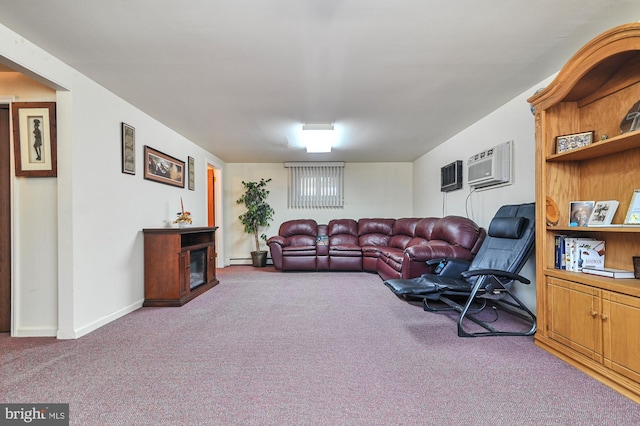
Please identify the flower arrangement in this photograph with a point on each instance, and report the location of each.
(184, 217)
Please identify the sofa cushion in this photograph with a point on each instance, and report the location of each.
(456, 230)
(375, 226)
(343, 233)
(299, 227)
(374, 232)
(301, 240)
(424, 227)
(403, 232)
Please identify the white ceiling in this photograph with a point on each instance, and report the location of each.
(240, 77)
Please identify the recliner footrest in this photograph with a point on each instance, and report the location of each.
(423, 285)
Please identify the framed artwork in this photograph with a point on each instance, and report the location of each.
(192, 174)
(631, 120)
(128, 149)
(163, 168)
(603, 212)
(576, 140)
(580, 212)
(34, 138)
(633, 214)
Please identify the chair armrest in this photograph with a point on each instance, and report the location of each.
(452, 267)
(496, 273)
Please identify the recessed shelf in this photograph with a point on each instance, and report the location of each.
(608, 229)
(612, 145)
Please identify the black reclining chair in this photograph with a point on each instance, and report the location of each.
(487, 280)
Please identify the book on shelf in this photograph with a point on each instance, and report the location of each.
(579, 212)
(589, 254)
(609, 272)
(559, 258)
(603, 212)
(579, 253)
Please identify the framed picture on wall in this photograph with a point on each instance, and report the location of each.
(192, 174)
(128, 149)
(163, 168)
(34, 138)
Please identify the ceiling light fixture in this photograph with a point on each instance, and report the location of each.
(318, 137)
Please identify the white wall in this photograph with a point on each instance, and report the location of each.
(512, 121)
(35, 260)
(370, 190)
(96, 244)
(92, 237)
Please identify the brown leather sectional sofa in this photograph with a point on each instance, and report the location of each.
(394, 248)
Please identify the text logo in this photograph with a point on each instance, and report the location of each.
(34, 414)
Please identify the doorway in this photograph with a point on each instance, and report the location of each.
(5, 221)
(211, 196)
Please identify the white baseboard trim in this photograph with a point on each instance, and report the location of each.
(35, 332)
(82, 331)
(245, 261)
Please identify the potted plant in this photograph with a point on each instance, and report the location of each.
(258, 214)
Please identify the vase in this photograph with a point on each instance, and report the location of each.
(259, 258)
(183, 225)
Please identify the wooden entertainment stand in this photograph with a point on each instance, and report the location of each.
(179, 264)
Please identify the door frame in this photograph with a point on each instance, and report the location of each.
(6, 224)
(214, 187)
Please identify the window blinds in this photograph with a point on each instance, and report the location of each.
(315, 185)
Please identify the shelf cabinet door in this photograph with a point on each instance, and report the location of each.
(574, 317)
(621, 334)
(185, 277)
(211, 263)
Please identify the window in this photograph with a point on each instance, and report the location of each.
(315, 185)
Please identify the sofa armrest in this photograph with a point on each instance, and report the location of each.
(422, 253)
(275, 246)
(276, 239)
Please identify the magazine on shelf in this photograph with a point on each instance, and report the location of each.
(579, 212)
(603, 212)
(609, 272)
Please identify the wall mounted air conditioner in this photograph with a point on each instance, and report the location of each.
(451, 176)
(490, 167)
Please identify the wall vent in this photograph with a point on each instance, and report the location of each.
(451, 176)
(490, 167)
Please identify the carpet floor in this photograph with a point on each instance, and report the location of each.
(271, 348)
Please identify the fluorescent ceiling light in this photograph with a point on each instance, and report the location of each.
(318, 137)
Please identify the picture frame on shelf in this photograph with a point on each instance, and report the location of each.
(128, 149)
(576, 140)
(631, 120)
(192, 173)
(163, 168)
(34, 138)
(580, 212)
(603, 212)
(633, 213)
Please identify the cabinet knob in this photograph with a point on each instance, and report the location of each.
(604, 316)
(593, 313)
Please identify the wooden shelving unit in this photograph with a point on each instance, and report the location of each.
(169, 259)
(591, 321)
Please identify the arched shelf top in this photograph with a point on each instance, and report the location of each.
(604, 65)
